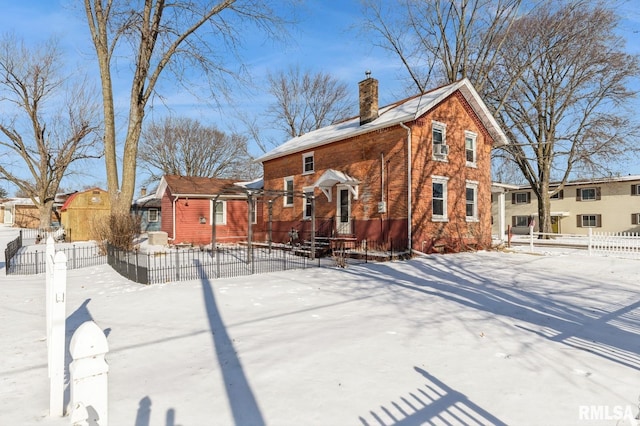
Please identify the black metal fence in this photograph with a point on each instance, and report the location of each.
(34, 262)
(11, 250)
(189, 264)
(37, 236)
(347, 251)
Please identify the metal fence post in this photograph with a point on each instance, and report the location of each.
(177, 264)
(36, 256)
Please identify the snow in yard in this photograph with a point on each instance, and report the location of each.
(474, 338)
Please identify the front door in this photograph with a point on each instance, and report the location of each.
(555, 224)
(344, 211)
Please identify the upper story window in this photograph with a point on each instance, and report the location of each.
(521, 198)
(635, 218)
(439, 140)
(288, 188)
(439, 198)
(152, 215)
(308, 163)
(558, 195)
(587, 194)
(635, 189)
(470, 148)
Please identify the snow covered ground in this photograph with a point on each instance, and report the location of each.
(551, 338)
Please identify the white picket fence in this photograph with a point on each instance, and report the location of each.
(619, 244)
(616, 244)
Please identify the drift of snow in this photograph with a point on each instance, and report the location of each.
(472, 338)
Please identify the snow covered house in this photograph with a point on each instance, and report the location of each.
(147, 208)
(416, 171)
(187, 210)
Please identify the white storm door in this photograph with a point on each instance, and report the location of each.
(344, 211)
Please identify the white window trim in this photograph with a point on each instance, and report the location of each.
(212, 211)
(305, 190)
(474, 185)
(474, 137)
(526, 220)
(526, 197)
(304, 157)
(444, 217)
(156, 212)
(595, 194)
(437, 125)
(595, 217)
(286, 195)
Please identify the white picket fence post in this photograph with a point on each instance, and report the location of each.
(531, 238)
(57, 304)
(590, 241)
(49, 254)
(88, 376)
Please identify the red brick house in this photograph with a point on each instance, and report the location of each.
(416, 172)
(187, 210)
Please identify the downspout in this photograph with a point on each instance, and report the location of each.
(173, 238)
(409, 210)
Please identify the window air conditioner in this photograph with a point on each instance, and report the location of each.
(440, 149)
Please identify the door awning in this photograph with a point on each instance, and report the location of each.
(334, 177)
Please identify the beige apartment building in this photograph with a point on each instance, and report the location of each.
(605, 205)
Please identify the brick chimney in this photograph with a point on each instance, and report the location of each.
(368, 99)
(143, 191)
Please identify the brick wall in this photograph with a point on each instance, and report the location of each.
(362, 157)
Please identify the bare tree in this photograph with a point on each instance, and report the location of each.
(182, 36)
(184, 147)
(566, 111)
(305, 101)
(442, 41)
(48, 124)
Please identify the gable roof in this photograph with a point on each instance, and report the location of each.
(391, 115)
(72, 197)
(198, 187)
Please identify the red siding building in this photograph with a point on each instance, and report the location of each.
(187, 209)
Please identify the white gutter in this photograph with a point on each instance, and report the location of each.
(409, 210)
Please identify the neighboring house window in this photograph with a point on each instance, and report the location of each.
(308, 193)
(635, 189)
(152, 215)
(589, 221)
(439, 140)
(471, 192)
(221, 213)
(520, 221)
(587, 194)
(635, 218)
(307, 163)
(254, 215)
(288, 187)
(470, 148)
(558, 195)
(521, 198)
(439, 198)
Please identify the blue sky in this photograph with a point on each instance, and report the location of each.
(326, 39)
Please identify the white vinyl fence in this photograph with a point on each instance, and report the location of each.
(619, 244)
(616, 244)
